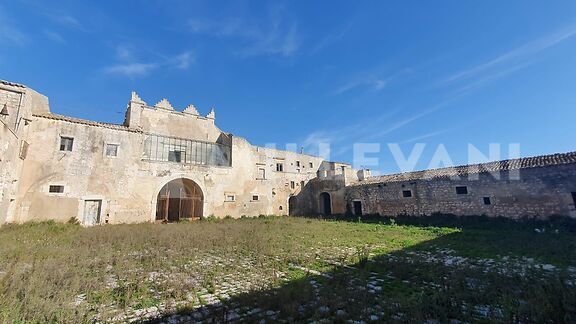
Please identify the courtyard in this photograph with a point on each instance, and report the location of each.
(275, 269)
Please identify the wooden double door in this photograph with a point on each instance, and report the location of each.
(178, 200)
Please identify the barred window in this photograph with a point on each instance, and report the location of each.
(171, 149)
(112, 149)
(66, 143)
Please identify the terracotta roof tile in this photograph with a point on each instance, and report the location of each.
(86, 122)
(12, 84)
(463, 170)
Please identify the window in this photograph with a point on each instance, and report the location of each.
(462, 190)
(112, 149)
(230, 198)
(292, 185)
(302, 184)
(255, 197)
(487, 201)
(406, 193)
(298, 170)
(261, 174)
(279, 167)
(23, 150)
(66, 144)
(175, 156)
(280, 208)
(311, 164)
(298, 163)
(56, 189)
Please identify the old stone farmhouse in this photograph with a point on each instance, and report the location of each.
(164, 165)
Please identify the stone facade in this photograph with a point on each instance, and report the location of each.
(166, 165)
(525, 191)
(121, 169)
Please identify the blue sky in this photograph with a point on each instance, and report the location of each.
(449, 73)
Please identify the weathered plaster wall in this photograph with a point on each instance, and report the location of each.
(18, 102)
(129, 185)
(540, 192)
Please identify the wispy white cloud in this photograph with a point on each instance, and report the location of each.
(373, 80)
(67, 21)
(275, 35)
(516, 56)
(131, 70)
(55, 37)
(10, 34)
(426, 136)
(331, 38)
(124, 53)
(184, 60)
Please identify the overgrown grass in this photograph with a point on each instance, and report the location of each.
(51, 272)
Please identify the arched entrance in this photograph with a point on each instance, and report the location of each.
(292, 201)
(179, 199)
(325, 204)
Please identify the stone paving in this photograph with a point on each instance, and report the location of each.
(218, 303)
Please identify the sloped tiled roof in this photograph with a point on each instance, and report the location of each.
(86, 122)
(463, 170)
(13, 84)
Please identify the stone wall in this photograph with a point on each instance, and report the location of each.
(128, 184)
(537, 192)
(17, 103)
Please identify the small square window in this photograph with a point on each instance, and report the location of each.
(66, 143)
(56, 189)
(175, 156)
(487, 201)
(112, 149)
(461, 190)
(261, 174)
(406, 193)
(279, 167)
(230, 198)
(255, 197)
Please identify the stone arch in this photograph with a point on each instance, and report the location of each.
(179, 199)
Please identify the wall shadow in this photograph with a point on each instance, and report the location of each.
(456, 277)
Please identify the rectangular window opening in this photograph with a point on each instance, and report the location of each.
(230, 198)
(175, 156)
(66, 143)
(461, 190)
(298, 163)
(255, 197)
(112, 149)
(406, 193)
(261, 174)
(292, 185)
(487, 201)
(279, 167)
(56, 189)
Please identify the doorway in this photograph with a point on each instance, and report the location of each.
(292, 201)
(357, 207)
(179, 199)
(92, 210)
(325, 204)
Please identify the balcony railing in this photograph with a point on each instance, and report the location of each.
(172, 149)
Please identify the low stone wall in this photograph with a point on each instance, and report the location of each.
(537, 192)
